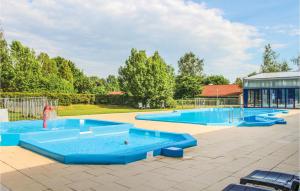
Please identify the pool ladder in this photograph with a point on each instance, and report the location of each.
(231, 114)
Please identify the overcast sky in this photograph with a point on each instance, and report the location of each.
(98, 35)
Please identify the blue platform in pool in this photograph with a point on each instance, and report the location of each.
(84, 143)
(220, 116)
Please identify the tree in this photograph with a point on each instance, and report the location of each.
(296, 61)
(53, 83)
(98, 85)
(112, 83)
(270, 63)
(189, 80)
(83, 84)
(49, 66)
(190, 64)
(27, 68)
(159, 80)
(239, 82)
(252, 74)
(147, 79)
(132, 75)
(7, 72)
(22, 70)
(284, 66)
(65, 71)
(187, 86)
(216, 80)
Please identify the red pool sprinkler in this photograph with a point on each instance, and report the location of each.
(46, 111)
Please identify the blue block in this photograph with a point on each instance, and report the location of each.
(281, 122)
(172, 152)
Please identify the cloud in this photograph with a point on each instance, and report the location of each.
(278, 45)
(99, 34)
(290, 30)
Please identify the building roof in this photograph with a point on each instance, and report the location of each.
(221, 90)
(274, 75)
(116, 93)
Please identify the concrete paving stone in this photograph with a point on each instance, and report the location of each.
(190, 186)
(15, 178)
(165, 171)
(148, 188)
(82, 185)
(39, 177)
(159, 183)
(222, 184)
(109, 187)
(211, 177)
(238, 164)
(3, 188)
(97, 171)
(106, 178)
(131, 182)
(56, 182)
(287, 168)
(78, 176)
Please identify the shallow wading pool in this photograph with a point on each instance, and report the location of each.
(91, 141)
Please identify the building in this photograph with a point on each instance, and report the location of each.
(272, 90)
(222, 91)
(116, 93)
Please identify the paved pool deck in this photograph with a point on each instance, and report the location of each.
(223, 155)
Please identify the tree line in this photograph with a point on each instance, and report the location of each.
(24, 71)
(146, 78)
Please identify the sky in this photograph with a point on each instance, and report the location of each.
(98, 35)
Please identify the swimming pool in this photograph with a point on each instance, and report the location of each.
(77, 141)
(220, 116)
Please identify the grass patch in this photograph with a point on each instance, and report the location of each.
(87, 109)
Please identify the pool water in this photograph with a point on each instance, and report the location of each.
(99, 143)
(219, 116)
(37, 125)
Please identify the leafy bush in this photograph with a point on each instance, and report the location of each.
(115, 100)
(171, 103)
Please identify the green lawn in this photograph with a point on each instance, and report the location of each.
(87, 109)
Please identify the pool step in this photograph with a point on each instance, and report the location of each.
(172, 152)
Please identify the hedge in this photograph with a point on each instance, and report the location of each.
(63, 98)
(68, 98)
(115, 100)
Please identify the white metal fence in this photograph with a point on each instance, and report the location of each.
(26, 108)
(209, 102)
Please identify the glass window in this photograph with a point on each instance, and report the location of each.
(273, 98)
(265, 100)
(281, 97)
(257, 98)
(297, 98)
(250, 98)
(274, 83)
(290, 98)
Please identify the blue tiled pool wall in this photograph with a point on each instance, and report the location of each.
(219, 116)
